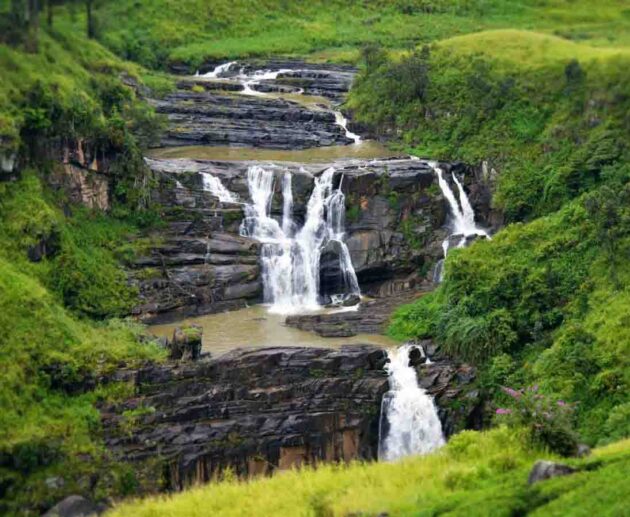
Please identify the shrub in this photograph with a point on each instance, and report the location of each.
(548, 420)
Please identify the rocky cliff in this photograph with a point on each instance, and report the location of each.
(258, 411)
(197, 263)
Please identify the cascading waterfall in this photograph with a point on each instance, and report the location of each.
(343, 123)
(213, 185)
(463, 217)
(257, 77)
(290, 258)
(287, 205)
(409, 421)
(218, 71)
(251, 79)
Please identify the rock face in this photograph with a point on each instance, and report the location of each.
(75, 506)
(372, 317)
(255, 410)
(320, 79)
(205, 118)
(199, 264)
(453, 387)
(258, 411)
(548, 469)
(82, 185)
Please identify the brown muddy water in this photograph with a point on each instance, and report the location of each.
(255, 327)
(364, 150)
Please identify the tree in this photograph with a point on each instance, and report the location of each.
(49, 13)
(91, 31)
(32, 40)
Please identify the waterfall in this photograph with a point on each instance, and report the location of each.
(251, 79)
(342, 122)
(463, 218)
(218, 71)
(290, 258)
(287, 205)
(257, 77)
(213, 185)
(409, 420)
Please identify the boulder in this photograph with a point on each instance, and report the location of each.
(74, 506)
(543, 469)
(186, 343)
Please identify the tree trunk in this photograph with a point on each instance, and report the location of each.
(33, 26)
(90, 19)
(49, 13)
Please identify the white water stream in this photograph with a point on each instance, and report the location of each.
(409, 420)
(213, 185)
(462, 217)
(291, 256)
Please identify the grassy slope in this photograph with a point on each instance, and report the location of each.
(50, 357)
(542, 302)
(476, 474)
(154, 33)
(57, 338)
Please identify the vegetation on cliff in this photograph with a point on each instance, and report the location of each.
(61, 282)
(543, 301)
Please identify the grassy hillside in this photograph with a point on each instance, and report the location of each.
(543, 302)
(475, 475)
(52, 357)
(60, 336)
(155, 33)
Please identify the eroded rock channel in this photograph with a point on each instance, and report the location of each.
(227, 222)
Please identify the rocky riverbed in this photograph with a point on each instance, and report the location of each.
(258, 410)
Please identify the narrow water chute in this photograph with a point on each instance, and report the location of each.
(409, 421)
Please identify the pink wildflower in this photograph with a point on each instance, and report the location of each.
(511, 392)
(503, 411)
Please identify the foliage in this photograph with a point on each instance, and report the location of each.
(161, 32)
(549, 114)
(51, 359)
(542, 301)
(477, 474)
(549, 421)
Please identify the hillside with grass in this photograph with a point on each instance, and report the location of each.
(538, 91)
(543, 302)
(192, 31)
(62, 286)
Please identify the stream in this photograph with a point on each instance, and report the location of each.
(305, 263)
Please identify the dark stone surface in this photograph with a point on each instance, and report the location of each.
(210, 118)
(372, 317)
(548, 469)
(262, 410)
(74, 506)
(254, 410)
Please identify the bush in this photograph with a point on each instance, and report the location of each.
(548, 420)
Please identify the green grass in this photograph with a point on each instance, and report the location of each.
(543, 302)
(475, 474)
(51, 356)
(191, 31)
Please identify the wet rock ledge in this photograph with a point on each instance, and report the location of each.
(258, 411)
(253, 410)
